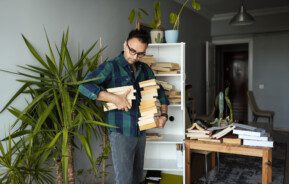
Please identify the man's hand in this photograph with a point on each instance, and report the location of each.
(121, 101)
(161, 121)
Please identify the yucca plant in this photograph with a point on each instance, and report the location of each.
(57, 114)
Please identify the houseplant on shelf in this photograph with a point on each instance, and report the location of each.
(56, 115)
(140, 12)
(172, 35)
(156, 33)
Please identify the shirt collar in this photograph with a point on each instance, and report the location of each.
(124, 62)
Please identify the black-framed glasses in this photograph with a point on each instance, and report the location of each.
(134, 52)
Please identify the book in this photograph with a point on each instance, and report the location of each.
(210, 140)
(151, 87)
(169, 72)
(151, 82)
(150, 136)
(148, 126)
(223, 132)
(257, 132)
(268, 143)
(231, 139)
(257, 138)
(198, 126)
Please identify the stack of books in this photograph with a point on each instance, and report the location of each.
(198, 131)
(254, 137)
(173, 95)
(149, 105)
(148, 59)
(120, 91)
(166, 68)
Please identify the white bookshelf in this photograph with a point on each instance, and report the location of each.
(162, 154)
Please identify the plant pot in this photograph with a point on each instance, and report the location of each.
(172, 36)
(157, 36)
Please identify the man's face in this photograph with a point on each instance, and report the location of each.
(134, 50)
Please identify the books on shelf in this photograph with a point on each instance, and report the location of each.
(149, 106)
(120, 91)
(148, 59)
(150, 136)
(165, 68)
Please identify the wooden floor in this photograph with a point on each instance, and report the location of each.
(279, 136)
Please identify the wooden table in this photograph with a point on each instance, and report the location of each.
(265, 153)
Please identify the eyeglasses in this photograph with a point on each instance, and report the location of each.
(134, 52)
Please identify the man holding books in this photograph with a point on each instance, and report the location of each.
(127, 141)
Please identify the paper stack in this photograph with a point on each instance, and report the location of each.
(166, 68)
(149, 105)
(120, 91)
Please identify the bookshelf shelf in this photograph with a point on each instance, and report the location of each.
(168, 139)
(162, 164)
(162, 154)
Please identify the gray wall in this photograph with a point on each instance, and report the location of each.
(87, 20)
(270, 35)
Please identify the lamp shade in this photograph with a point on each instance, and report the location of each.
(242, 18)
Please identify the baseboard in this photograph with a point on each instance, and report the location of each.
(281, 129)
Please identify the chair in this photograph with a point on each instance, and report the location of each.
(258, 112)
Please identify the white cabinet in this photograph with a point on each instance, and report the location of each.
(162, 154)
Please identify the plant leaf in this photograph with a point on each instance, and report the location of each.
(131, 16)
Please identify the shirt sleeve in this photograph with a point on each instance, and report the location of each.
(161, 92)
(102, 74)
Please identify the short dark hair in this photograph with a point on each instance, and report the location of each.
(142, 35)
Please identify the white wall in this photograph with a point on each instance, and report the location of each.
(87, 20)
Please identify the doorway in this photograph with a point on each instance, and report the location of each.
(232, 71)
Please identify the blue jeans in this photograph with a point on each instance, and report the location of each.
(127, 157)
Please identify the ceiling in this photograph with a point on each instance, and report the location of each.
(229, 6)
(215, 7)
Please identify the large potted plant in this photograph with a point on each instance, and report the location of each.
(156, 33)
(55, 116)
(136, 15)
(172, 35)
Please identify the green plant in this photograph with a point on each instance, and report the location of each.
(175, 17)
(56, 115)
(157, 20)
(139, 12)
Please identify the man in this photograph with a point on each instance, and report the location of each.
(127, 142)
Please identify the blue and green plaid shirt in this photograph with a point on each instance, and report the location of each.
(116, 73)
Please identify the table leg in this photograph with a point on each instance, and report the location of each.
(213, 160)
(188, 163)
(267, 167)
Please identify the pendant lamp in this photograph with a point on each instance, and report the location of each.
(242, 17)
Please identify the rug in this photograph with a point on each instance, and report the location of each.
(236, 169)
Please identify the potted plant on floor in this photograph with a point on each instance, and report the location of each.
(172, 35)
(56, 115)
(140, 12)
(156, 33)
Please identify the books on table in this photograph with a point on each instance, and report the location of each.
(254, 136)
(268, 143)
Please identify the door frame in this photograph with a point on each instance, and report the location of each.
(249, 41)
